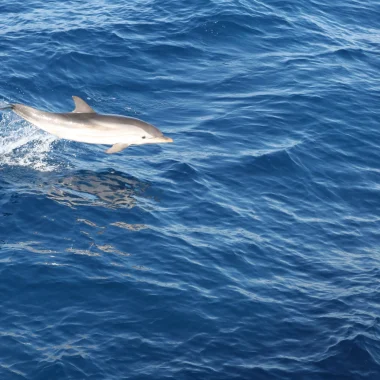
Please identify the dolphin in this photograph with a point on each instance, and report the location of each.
(85, 125)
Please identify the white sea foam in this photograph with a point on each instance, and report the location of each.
(21, 144)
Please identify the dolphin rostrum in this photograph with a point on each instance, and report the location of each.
(85, 125)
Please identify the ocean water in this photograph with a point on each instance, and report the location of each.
(249, 248)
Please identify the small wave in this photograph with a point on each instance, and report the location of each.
(22, 144)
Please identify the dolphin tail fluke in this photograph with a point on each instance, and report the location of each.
(117, 148)
(6, 107)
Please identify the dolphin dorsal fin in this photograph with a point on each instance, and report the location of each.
(81, 106)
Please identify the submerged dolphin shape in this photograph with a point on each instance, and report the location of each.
(85, 125)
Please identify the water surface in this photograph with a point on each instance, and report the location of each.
(249, 248)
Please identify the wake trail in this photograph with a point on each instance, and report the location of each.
(22, 144)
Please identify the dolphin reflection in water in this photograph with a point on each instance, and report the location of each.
(109, 189)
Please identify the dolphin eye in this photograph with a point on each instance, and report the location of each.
(143, 137)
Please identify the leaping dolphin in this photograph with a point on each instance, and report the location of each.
(85, 125)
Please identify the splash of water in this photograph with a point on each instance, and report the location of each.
(21, 144)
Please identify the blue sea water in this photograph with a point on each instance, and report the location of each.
(249, 248)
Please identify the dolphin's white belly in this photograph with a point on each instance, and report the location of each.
(91, 136)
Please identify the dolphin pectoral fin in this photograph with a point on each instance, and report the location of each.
(117, 148)
(81, 106)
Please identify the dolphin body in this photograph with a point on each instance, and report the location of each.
(85, 125)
